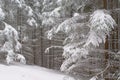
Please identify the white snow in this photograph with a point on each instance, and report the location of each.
(2, 14)
(76, 14)
(25, 72)
(32, 22)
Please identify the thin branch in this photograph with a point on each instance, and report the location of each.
(108, 65)
(103, 51)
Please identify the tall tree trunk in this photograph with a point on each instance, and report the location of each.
(106, 43)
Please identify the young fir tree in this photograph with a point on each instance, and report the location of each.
(85, 27)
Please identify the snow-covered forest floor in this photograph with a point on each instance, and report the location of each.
(26, 72)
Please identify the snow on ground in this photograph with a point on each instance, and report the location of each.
(25, 72)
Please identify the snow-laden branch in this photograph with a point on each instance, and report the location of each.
(48, 49)
(100, 23)
(66, 25)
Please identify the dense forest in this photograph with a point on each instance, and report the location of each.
(76, 37)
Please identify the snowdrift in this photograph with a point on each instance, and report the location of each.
(25, 72)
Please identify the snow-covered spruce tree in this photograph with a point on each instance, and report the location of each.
(11, 46)
(10, 39)
(19, 14)
(84, 34)
(25, 16)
